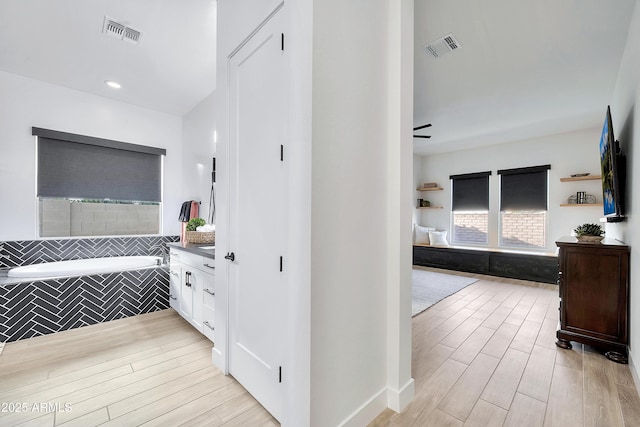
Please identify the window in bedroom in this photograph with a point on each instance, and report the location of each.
(470, 208)
(523, 206)
(90, 186)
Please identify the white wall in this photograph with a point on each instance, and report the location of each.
(348, 289)
(355, 115)
(198, 144)
(625, 111)
(567, 153)
(26, 102)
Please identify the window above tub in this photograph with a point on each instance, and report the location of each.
(89, 186)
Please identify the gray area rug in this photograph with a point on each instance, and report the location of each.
(428, 288)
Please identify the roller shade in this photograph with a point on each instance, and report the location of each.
(470, 192)
(75, 166)
(524, 189)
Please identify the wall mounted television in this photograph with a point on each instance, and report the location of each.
(612, 167)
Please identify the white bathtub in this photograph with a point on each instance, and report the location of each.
(85, 267)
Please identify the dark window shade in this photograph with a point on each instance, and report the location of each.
(524, 189)
(470, 192)
(78, 170)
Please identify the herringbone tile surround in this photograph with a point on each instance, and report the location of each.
(42, 307)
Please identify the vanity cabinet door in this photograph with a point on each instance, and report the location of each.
(186, 293)
(192, 284)
(197, 282)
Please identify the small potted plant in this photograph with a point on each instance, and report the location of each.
(589, 233)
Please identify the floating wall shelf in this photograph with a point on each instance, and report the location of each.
(581, 178)
(581, 204)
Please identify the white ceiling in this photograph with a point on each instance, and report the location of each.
(525, 69)
(61, 42)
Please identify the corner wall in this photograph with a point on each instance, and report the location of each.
(360, 315)
(198, 149)
(26, 102)
(625, 112)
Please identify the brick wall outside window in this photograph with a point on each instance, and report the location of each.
(470, 227)
(523, 229)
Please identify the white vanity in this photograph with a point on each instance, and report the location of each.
(192, 289)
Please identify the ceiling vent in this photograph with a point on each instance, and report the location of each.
(119, 31)
(443, 46)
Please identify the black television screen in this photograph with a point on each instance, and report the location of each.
(609, 159)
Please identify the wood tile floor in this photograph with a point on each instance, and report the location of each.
(152, 370)
(486, 356)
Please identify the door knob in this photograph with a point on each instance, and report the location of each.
(230, 256)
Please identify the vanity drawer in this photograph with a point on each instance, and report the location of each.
(208, 319)
(209, 293)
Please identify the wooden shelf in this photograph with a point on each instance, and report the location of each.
(430, 189)
(581, 204)
(581, 178)
(431, 207)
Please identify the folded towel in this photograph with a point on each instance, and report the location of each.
(193, 213)
(207, 228)
(184, 212)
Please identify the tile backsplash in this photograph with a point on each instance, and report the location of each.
(27, 252)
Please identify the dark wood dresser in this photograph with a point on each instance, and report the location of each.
(594, 289)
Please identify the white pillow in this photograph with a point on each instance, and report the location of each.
(438, 238)
(421, 234)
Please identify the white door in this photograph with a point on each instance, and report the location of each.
(258, 200)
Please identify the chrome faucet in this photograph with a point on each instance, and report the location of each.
(164, 252)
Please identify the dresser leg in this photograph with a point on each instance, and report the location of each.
(616, 357)
(563, 344)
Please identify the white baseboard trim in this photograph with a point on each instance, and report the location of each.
(385, 398)
(368, 411)
(398, 400)
(634, 373)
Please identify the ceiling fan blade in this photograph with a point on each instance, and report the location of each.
(422, 136)
(422, 127)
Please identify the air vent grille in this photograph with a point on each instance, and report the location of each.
(113, 29)
(443, 46)
(119, 31)
(131, 35)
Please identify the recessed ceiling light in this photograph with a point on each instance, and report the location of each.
(112, 84)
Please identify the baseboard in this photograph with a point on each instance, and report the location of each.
(368, 411)
(218, 361)
(398, 400)
(634, 373)
(385, 398)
